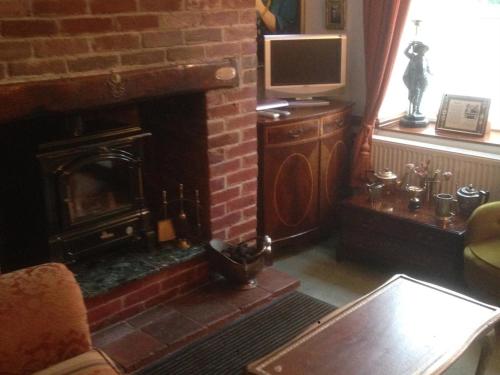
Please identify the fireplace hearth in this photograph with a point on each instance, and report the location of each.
(184, 71)
(98, 175)
(81, 149)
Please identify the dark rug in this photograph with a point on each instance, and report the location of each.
(230, 349)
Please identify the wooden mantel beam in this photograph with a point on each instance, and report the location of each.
(26, 99)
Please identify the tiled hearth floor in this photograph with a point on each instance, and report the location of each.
(144, 338)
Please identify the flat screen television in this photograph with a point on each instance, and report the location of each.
(304, 66)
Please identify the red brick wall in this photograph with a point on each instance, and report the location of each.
(47, 39)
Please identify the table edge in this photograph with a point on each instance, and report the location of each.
(441, 365)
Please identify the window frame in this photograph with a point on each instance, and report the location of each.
(492, 131)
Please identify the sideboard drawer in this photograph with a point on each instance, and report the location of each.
(296, 132)
(330, 123)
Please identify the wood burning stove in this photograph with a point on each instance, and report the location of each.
(94, 194)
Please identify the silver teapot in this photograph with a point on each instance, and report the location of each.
(388, 178)
(469, 199)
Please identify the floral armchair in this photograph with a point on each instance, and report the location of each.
(43, 325)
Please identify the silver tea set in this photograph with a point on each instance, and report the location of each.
(429, 190)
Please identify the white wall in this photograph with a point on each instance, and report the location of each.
(315, 24)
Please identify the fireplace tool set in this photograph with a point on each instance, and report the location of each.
(238, 263)
(179, 229)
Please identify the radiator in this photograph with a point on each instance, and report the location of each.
(480, 169)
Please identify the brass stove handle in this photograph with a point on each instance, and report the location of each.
(105, 235)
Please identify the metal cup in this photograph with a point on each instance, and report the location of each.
(446, 206)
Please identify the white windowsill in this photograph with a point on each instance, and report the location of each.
(488, 151)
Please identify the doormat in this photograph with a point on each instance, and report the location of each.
(230, 349)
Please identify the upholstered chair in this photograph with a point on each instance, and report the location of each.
(482, 253)
(43, 325)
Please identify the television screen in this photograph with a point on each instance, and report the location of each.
(304, 65)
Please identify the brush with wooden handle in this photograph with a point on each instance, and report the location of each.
(166, 230)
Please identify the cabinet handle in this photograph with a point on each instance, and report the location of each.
(339, 122)
(295, 133)
(105, 235)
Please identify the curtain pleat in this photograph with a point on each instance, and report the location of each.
(383, 22)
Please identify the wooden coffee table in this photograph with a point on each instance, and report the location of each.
(404, 327)
(388, 233)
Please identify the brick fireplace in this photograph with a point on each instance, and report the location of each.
(68, 56)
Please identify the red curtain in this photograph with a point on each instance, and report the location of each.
(383, 22)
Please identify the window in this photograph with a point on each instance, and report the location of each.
(464, 55)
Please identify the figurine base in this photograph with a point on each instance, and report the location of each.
(412, 121)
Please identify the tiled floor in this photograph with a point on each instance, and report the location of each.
(158, 331)
(148, 336)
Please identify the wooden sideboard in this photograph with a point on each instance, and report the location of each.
(303, 170)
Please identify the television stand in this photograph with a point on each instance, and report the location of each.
(308, 103)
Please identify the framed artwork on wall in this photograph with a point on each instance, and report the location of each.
(466, 115)
(291, 13)
(335, 14)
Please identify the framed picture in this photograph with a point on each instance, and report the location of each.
(463, 114)
(295, 12)
(335, 14)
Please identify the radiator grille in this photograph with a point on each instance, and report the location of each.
(481, 171)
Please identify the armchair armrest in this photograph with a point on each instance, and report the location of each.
(484, 223)
(43, 318)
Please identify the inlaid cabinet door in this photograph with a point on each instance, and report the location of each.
(334, 174)
(291, 195)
